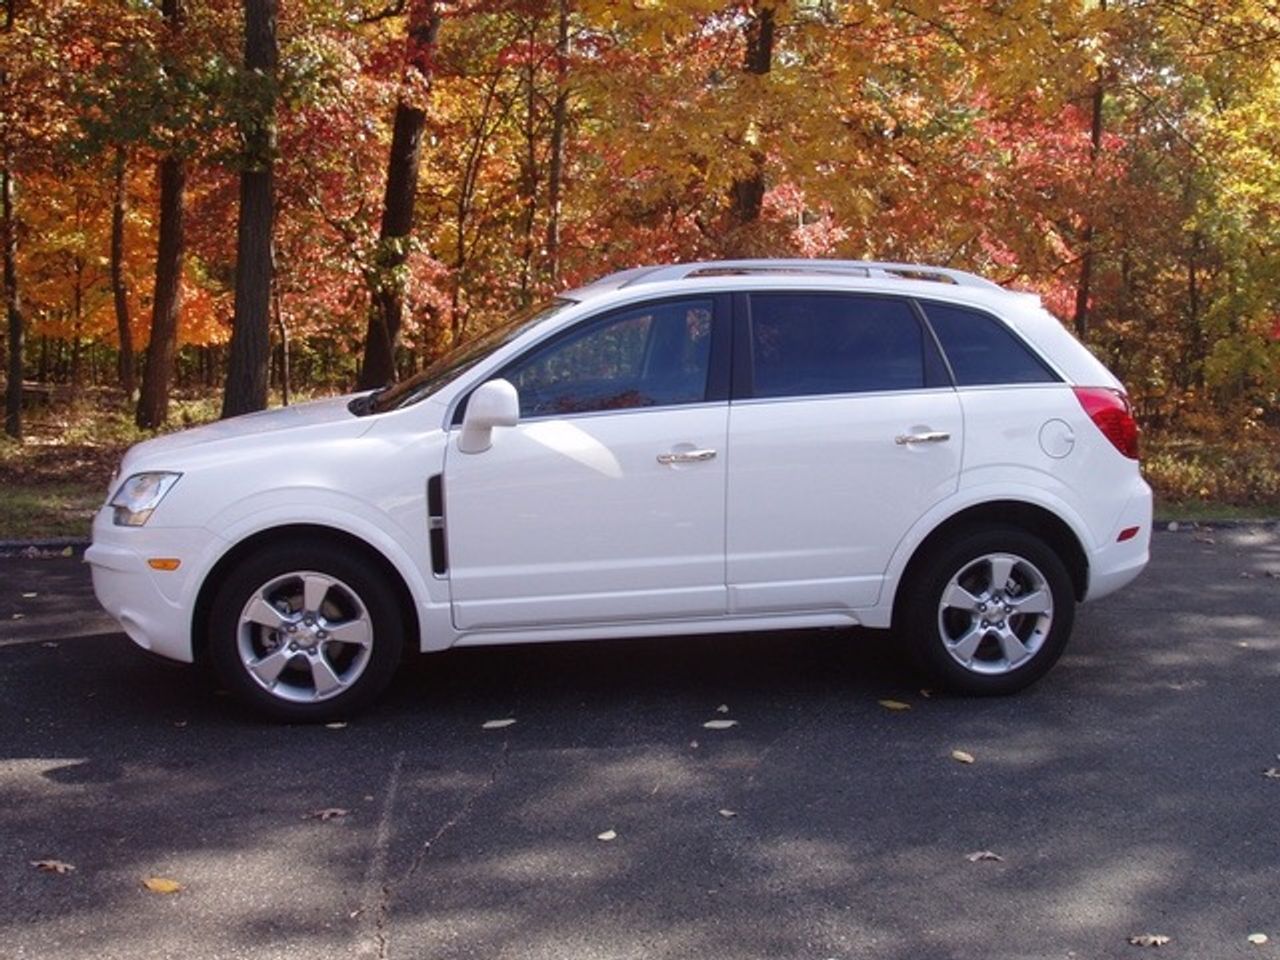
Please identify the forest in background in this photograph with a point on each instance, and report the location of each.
(261, 199)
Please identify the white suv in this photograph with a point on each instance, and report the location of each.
(701, 448)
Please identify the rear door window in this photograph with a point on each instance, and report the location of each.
(813, 344)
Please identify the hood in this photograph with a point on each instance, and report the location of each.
(332, 410)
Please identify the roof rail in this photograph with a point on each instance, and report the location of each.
(860, 268)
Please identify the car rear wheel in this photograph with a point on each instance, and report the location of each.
(305, 632)
(990, 612)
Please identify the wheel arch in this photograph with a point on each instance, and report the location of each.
(1033, 518)
(310, 532)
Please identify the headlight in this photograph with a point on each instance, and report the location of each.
(139, 496)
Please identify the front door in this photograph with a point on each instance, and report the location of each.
(606, 501)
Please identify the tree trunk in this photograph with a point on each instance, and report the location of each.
(529, 165)
(386, 311)
(246, 388)
(1085, 284)
(1193, 366)
(119, 286)
(13, 307)
(284, 345)
(77, 326)
(12, 300)
(153, 401)
(747, 193)
(555, 172)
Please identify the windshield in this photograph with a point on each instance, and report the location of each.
(458, 360)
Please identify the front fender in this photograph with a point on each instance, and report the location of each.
(404, 549)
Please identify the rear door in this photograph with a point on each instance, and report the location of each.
(843, 431)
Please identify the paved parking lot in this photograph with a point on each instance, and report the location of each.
(1125, 795)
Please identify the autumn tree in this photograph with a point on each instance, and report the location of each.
(246, 388)
(386, 278)
(9, 240)
(746, 196)
(153, 401)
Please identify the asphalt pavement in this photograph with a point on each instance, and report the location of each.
(1125, 795)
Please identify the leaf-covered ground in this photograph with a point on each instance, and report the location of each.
(58, 476)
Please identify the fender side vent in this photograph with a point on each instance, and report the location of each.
(435, 525)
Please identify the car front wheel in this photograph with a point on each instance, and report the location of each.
(305, 632)
(990, 612)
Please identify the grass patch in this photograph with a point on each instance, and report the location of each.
(1209, 511)
(1191, 471)
(36, 511)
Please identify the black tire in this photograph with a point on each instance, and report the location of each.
(939, 634)
(358, 603)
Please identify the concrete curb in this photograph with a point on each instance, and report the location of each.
(51, 547)
(1163, 526)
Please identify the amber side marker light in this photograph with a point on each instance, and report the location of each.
(1128, 533)
(164, 563)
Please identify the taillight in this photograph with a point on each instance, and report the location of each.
(1109, 409)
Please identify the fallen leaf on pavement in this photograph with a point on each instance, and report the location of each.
(728, 814)
(1149, 940)
(1272, 773)
(926, 692)
(960, 756)
(607, 835)
(161, 885)
(497, 724)
(720, 724)
(53, 866)
(328, 813)
(18, 616)
(894, 704)
(1257, 939)
(981, 855)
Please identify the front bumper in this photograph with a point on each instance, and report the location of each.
(153, 607)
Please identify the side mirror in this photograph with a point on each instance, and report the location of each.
(493, 404)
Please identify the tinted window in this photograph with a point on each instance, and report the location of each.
(982, 350)
(655, 355)
(805, 344)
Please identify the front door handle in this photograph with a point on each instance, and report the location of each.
(934, 436)
(686, 456)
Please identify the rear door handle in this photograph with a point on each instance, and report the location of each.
(686, 456)
(935, 436)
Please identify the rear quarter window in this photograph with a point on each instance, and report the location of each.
(982, 350)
